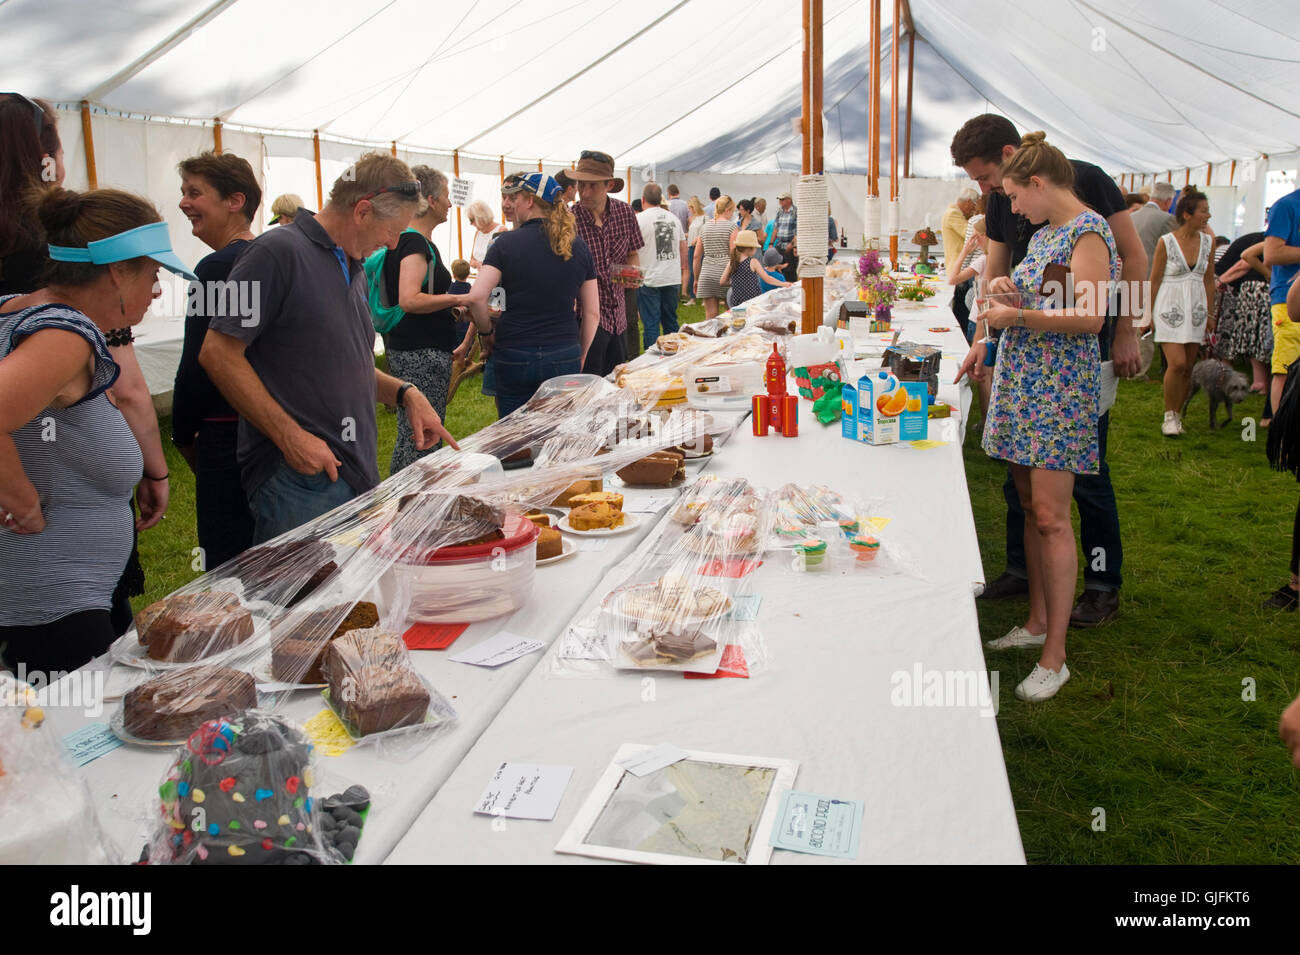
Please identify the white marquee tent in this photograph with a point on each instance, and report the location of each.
(692, 91)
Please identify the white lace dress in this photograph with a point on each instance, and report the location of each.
(1181, 309)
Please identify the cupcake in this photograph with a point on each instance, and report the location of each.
(866, 548)
(849, 526)
(792, 531)
(813, 550)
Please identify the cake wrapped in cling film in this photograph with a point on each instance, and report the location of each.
(46, 813)
(377, 561)
(241, 790)
(680, 602)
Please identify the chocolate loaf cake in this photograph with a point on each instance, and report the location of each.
(372, 684)
(187, 627)
(171, 706)
(660, 469)
(270, 570)
(298, 656)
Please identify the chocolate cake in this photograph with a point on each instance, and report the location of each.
(171, 706)
(660, 469)
(240, 795)
(187, 627)
(372, 684)
(270, 569)
(298, 655)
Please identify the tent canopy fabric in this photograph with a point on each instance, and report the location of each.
(683, 84)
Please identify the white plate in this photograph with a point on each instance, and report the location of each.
(117, 723)
(264, 675)
(630, 522)
(567, 549)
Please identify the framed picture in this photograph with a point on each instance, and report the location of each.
(707, 809)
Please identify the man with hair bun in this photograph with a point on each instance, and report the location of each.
(300, 369)
(980, 147)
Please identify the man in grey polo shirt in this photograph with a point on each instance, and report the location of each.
(300, 369)
(1153, 220)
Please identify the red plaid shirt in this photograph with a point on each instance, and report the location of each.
(610, 243)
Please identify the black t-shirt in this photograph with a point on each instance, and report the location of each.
(541, 288)
(1232, 255)
(1094, 188)
(420, 329)
(195, 397)
(20, 271)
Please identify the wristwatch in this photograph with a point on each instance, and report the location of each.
(401, 393)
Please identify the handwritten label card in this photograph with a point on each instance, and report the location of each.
(90, 742)
(495, 651)
(524, 791)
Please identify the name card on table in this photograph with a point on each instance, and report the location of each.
(495, 651)
(524, 791)
(90, 742)
(818, 825)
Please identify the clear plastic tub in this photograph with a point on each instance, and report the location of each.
(467, 583)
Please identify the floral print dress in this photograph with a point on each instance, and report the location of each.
(1047, 385)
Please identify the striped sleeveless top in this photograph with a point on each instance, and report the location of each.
(84, 462)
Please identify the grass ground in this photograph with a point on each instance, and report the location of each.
(1155, 727)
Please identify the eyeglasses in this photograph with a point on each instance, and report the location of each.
(599, 157)
(409, 189)
(38, 114)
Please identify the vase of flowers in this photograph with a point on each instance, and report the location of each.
(875, 287)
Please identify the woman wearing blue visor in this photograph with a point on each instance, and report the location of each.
(68, 461)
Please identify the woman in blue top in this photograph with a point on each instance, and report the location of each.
(543, 269)
(68, 460)
(1047, 387)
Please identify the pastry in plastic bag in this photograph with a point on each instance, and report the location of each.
(372, 683)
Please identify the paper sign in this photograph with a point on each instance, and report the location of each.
(433, 636)
(462, 192)
(744, 607)
(649, 503)
(927, 444)
(588, 544)
(524, 791)
(653, 759)
(818, 825)
(330, 736)
(90, 742)
(495, 651)
(731, 567)
(582, 643)
(732, 664)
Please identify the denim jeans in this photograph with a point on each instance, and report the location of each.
(518, 372)
(658, 308)
(224, 521)
(288, 499)
(1098, 519)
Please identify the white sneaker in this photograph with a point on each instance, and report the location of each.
(1043, 683)
(1171, 428)
(1178, 418)
(1018, 637)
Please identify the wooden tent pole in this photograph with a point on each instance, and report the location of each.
(1232, 172)
(320, 191)
(394, 148)
(216, 136)
(460, 243)
(629, 185)
(893, 127)
(539, 166)
(1187, 179)
(1209, 172)
(873, 105)
(812, 144)
(92, 177)
(911, 44)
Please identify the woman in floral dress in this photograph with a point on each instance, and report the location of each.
(1047, 384)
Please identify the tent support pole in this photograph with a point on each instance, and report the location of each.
(91, 176)
(216, 136)
(1232, 172)
(629, 185)
(539, 166)
(320, 191)
(812, 142)
(394, 148)
(1209, 172)
(911, 45)
(873, 106)
(503, 170)
(893, 128)
(460, 245)
(1187, 178)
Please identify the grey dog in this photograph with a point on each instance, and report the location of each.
(1221, 383)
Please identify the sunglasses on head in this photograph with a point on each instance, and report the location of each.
(38, 114)
(409, 189)
(599, 157)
